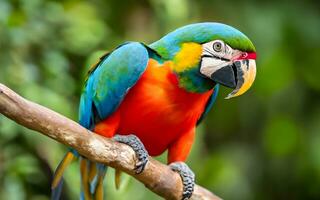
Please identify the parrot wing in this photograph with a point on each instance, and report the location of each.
(210, 103)
(110, 80)
(107, 84)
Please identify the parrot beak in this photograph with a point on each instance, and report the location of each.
(238, 75)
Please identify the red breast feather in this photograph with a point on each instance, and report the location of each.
(157, 110)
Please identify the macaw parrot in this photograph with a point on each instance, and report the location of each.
(152, 97)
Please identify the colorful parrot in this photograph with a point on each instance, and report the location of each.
(152, 97)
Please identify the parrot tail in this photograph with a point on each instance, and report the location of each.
(57, 182)
(92, 176)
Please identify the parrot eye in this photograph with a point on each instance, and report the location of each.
(217, 46)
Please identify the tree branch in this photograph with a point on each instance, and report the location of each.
(158, 177)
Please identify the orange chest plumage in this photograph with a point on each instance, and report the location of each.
(156, 110)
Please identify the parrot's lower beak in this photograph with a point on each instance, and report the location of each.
(238, 75)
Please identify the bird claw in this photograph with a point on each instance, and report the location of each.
(187, 176)
(140, 166)
(135, 143)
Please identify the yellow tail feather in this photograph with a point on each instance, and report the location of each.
(117, 178)
(85, 179)
(92, 171)
(99, 190)
(61, 168)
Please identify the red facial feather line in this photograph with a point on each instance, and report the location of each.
(246, 56)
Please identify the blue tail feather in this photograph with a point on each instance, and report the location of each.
(56, 192)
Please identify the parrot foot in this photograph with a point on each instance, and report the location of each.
(187, 176)
(135, 143)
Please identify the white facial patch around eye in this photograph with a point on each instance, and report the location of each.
(213, 60)
(226, 52)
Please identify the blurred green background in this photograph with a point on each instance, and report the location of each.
(264, 145)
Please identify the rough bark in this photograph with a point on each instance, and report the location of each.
(156, 176)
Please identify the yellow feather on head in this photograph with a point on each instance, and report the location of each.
(188, 57)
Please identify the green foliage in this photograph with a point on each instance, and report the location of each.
(262, 145)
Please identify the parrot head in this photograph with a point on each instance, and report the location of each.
(210, 51)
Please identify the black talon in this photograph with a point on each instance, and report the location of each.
(135, 143)
(187, 176)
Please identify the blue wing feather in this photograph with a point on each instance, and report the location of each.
(209, 103)
(106, 87)
(110, 81)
